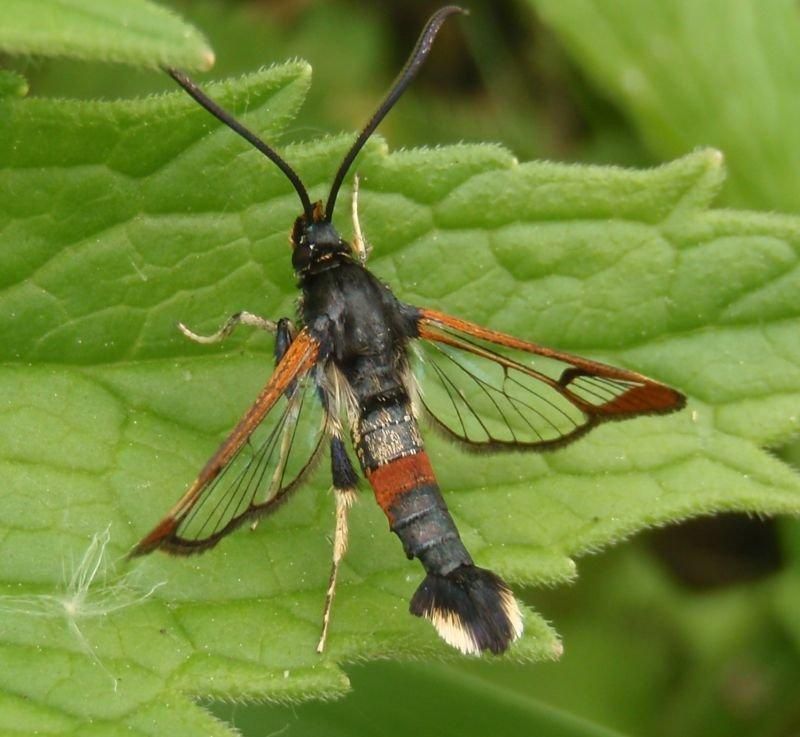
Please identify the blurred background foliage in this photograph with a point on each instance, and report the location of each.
(690, 630)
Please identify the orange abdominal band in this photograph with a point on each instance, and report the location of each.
(393, 479)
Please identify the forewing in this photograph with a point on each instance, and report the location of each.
(264, 458)
(493, 391)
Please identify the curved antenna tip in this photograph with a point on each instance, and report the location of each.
(415, 60)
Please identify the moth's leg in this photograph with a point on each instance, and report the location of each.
(344, 492)
(285, 333)
(240, 318)
(360, 246)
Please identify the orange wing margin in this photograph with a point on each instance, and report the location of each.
(492, 400)
(296, 363)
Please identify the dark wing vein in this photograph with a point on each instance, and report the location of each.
(494, 391)
(266, 456)
(256, 477)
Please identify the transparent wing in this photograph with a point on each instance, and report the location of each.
(493, 391)
(265, 457)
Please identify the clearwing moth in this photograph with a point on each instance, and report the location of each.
(350, 362)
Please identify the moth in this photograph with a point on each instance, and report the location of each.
(360, 361)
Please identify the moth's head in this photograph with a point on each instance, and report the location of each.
(316, 244)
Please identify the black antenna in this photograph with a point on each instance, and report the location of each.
(407, 73)
(248, 135)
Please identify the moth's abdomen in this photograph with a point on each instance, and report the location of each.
(407, 492)
(471, 608)
(390, 450)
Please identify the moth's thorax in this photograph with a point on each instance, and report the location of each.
(367, 326)
(362, 311)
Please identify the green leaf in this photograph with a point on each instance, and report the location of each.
(129, 31)
(119, 219)
(657, 642)
(448, 699)
(689, 73)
